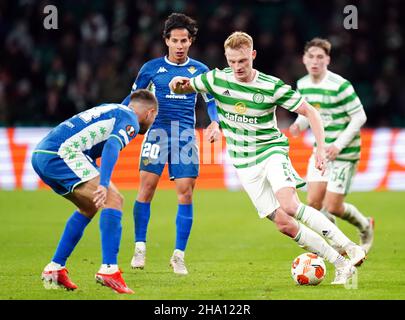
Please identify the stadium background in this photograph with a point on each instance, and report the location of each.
(48, 75)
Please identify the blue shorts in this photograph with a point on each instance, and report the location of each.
(179, 151)
(63, 175)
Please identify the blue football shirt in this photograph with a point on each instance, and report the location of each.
(155, 76)
(89, 130)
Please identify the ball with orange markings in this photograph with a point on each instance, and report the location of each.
(308, 269)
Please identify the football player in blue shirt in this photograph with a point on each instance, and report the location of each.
(171, 138)
(65, 160)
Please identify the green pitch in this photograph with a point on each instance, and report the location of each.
(232, 254)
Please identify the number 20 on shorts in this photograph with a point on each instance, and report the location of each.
(150, 150)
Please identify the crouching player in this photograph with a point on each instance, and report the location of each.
(65, 160)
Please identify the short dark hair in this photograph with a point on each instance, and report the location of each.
(180, 21)
(320, 43)
(144, 95)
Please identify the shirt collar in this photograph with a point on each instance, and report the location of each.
(176, 64)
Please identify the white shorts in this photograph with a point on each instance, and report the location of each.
(338, 174)
(262, 181)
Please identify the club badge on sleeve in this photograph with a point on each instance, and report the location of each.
(130, 130)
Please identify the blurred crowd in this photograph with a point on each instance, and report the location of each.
(100, 45)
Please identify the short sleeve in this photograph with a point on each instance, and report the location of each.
(286, 97)
(203, 82)
(126, 128)
(143, 78)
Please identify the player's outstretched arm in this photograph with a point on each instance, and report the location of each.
(300, 124)
(109, 157)
(356, 122)
(212, 131)
(315, 122)
(181, 85)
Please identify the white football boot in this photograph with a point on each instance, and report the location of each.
(367, 236)
(356, 254)
(138, 260)
(177, 262)
(344, 273)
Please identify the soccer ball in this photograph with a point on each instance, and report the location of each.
(308, 269)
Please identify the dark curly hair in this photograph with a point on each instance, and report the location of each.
(180, 21)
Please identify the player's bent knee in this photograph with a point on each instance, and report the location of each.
(284, 223)
(115, 201)
(89, 211)
(334, 207)
(317, 204)
(286, 226)
(146, 192)
(186, 197)
(287, 229)
(290, 209)
(120, 199)
(144, 197)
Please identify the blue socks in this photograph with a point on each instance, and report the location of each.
(184, 221)
(71, 235)
(141, 219)
(111, 229)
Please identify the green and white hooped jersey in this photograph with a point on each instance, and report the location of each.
(336, 100)
(247, 113)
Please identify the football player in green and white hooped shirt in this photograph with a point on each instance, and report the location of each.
(342, 115)
(246, 101)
